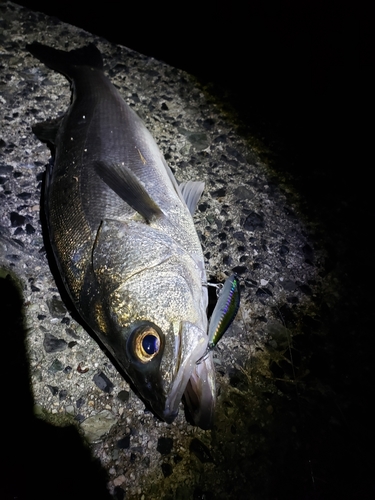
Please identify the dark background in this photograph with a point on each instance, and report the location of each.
(298, 72)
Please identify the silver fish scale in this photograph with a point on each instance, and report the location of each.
(162, 297)
(156, 278)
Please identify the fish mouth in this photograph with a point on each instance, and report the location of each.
(200, 393)
(190, 345)
(196, 382)
(169, 416)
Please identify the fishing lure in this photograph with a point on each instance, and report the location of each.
(224, 313)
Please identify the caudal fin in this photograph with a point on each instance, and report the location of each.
(65, 62)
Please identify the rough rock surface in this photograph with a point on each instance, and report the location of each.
(270, 422)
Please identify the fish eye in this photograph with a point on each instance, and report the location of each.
(146, 343)
(150, 344)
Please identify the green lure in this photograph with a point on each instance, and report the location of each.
(224, 313)
(225, 310)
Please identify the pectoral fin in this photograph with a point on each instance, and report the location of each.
(129, 188)
(191, 192)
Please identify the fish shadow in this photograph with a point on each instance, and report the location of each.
(38, 460)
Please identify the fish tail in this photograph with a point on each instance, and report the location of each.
(66, 62)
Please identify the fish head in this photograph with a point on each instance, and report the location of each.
(156, 306)
(161, 363)
(159, 347)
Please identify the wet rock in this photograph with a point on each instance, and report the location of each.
(19, 242)
(24, 196)
(229, 161)
(80, 402)
(52, 344)
(56, 366)
(72, 333)
(239, 270)
(305, 289)
(164, 445)
(263, 292)
(54, 390)
(63, 394)
(123, 396)
(103, 382)
(239, 235)
(198, 140)
(222, 138)
(288, 285)
(243, 193)
(5, 169)
(253, 222)
(219, 193)
(16, 219)
(98, 425)
(56, 307)
(203, 207)
(166, 469)
(123, 443)
(283, 250)
(227, 260)
(208, 123)
(234, 152)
